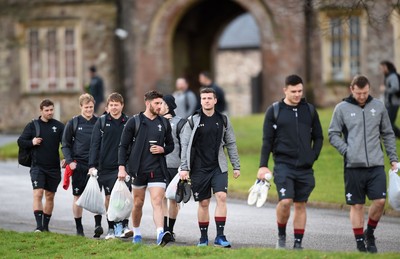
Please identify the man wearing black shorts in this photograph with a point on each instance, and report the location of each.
(203, 141)
(75, 147)
(45, 169)
(103, 155)
(146, 162)
(358, 124)
(295, 138)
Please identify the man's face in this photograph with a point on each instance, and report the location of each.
(293, 94)
(208, 101)
(115, 109)
(360, 94)
(203, 80)
(87, 110)
(47, 112)
(181, 84)
(164, 108)
(154, 106)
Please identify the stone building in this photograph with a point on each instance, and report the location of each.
(46, 47)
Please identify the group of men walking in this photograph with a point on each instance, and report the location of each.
(149, 148)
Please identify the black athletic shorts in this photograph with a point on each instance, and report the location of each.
(171, 174)
(79, 178)
(107, 180)
(361, 182)
(47, 179)
(203, 181)
(296, 184)
(155, 178)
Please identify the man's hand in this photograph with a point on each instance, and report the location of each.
(92, 171)
(262, 171)
(36, 141)
(155, 149)
(184, 175)
(394, 166)
(72, 165)
(236, 173)
(122, 173)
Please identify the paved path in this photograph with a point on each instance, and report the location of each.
(327, 230)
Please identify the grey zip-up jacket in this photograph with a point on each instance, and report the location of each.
(174, 158)
(356, 132)
(228, 140)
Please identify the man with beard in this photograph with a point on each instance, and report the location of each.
(45, 168)
(143, 149)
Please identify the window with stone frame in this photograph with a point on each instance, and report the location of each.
(342, 34)
(50, 57)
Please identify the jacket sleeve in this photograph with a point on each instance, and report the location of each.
(231, 147)
(268, 137)
(317, 136)
(95, 144)
(169, 140)
(25, 139)
(388, 137)
(126, 140)
(393, 83)
(335, 131)
(185, 139)
(67, 142)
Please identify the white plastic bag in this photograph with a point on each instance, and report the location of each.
(92, 199)
(121, 202)
(394, 190)
(171, 189)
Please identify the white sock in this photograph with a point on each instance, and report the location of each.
(159, 230)
(136, 231)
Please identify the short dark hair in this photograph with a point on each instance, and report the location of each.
(206, 74)
(293, 80)
(390, 66)
(93, 69)
(151, 95)
(115, 97)
(45, 103)
(207, 90)
(360, 81)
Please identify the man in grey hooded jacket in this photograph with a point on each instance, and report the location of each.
(203, 140)
(358, 124)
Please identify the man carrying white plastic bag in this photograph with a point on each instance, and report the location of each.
(92, 199)
(394, 189)
(121, 202)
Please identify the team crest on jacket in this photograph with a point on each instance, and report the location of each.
(373, 111)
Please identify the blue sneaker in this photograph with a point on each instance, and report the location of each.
(164, 238)
(118, 229)
(203, 242)
(137, 240)
(222, 242)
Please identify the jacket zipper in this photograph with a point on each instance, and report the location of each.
(365, 138)
(297, 131)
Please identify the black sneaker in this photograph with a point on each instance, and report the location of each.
(187, 191)
(281, 243)
(297, 246)
(179, 191)
(172, 237)
(361, 246)
(370, 243)
(98, 231)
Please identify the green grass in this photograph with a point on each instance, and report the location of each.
(51, 245)
(328, 169)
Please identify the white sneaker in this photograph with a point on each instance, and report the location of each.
(126, 233)
(253, 193)
(110, 234)
(263, 193)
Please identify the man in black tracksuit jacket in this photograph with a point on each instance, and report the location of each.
(295, 139)
(75, 147)
(103, 155)
(45, 169)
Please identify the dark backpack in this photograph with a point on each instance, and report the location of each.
(25, 154)
(275, 106)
